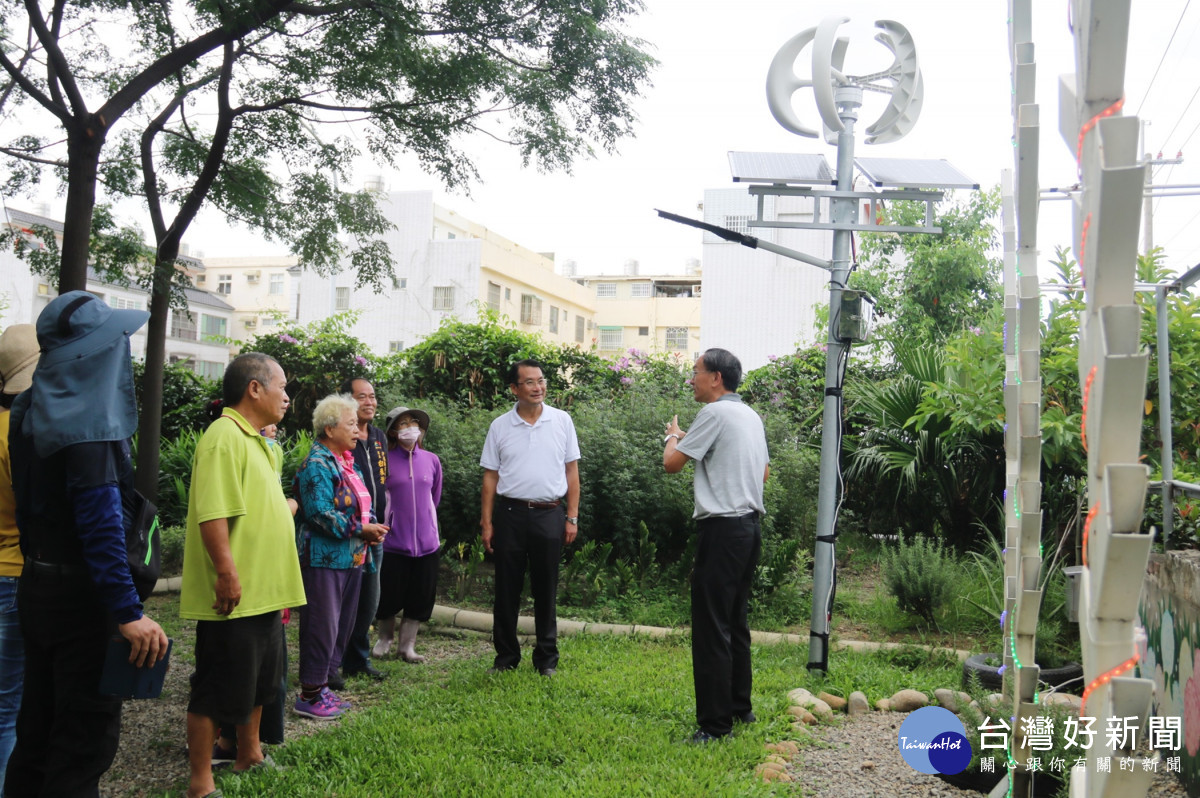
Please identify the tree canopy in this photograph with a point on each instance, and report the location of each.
(260, 108)
(929, 287)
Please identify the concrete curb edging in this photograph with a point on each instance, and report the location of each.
(482, 622)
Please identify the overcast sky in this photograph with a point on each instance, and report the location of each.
(708, 98)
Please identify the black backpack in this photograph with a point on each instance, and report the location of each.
(143, 541)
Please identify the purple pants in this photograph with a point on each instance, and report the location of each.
(327, 620)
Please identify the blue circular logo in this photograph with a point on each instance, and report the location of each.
(933, 740)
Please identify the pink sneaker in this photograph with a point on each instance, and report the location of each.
(344, 703)
(323, 707)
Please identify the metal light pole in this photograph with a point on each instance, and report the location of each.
(845, 212)
(838, 98)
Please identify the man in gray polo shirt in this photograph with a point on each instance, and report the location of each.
(530, 460)
(729, 445)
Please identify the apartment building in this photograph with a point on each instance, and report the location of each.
(652, 313)
(261, 289)
(194, 335)
(448, 266)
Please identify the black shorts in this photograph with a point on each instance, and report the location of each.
(239, 663)
(408, 585)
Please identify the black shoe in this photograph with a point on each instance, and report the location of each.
(336, 683)
(547, 672)
(701, 737)
(495, 670)
(223, 758)
(745, 717)
(369, 670)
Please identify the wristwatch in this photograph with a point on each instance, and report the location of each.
(573, 519)
(671, 435)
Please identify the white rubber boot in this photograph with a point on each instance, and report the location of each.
(408, 639)
(383, 647)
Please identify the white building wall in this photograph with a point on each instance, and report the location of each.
(443, 266)
(757, 304)
(26, 295)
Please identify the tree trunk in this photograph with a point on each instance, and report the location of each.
(150, 422)
(83, 158)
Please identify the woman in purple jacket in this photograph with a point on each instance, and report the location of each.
(408, 576)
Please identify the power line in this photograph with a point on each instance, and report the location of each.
(1180, 119)
(1189, 138)
(1167, 49)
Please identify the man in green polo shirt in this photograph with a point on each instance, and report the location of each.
(240, 567)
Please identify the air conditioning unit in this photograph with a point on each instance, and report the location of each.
(251, 324)
(199, 279)
(252, 277)
(696, 289)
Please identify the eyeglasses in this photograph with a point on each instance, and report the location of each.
(701, 371)
(532, 383)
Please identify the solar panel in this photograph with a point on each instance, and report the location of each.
(780, 167)
(913, 173)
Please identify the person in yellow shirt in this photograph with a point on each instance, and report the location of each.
(18, 357)
(240, 568)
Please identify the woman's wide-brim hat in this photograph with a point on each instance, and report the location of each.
(18, 357)
(76, 324)
(422, 418)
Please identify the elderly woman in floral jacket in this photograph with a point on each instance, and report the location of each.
(335, 526)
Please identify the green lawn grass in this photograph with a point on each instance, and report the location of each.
(612, 722)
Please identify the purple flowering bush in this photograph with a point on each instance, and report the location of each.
(316, 358)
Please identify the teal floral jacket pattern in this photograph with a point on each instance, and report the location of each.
(329, 521)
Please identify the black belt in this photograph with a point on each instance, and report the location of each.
(43, 568)
(532, 505)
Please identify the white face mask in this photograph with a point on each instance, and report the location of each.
(408, 436)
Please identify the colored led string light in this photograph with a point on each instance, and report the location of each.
(1091, 123)
(1104, 679)
(1087, 391)
(1087, 223)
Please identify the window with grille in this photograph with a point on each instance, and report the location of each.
(606, 290)
(400, 283)
(443, 297)
(123, 303)
(341, 299)
(639, 290)
(276, 285)
(210, 369)
(224, 283)
(553, 319)
(183, 325)
(643, 330)
(612, 338)
(493, 300)
(531, 309)
(579, 329)
(212, 326)
(677, 338)
(739, 223)
(395, 346)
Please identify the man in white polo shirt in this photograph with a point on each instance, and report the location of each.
(729, 445)
(530, 461)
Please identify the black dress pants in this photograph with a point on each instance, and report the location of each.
(521, 535)
(727, 552)
(67, 732)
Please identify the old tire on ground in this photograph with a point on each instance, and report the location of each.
(990, 677)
